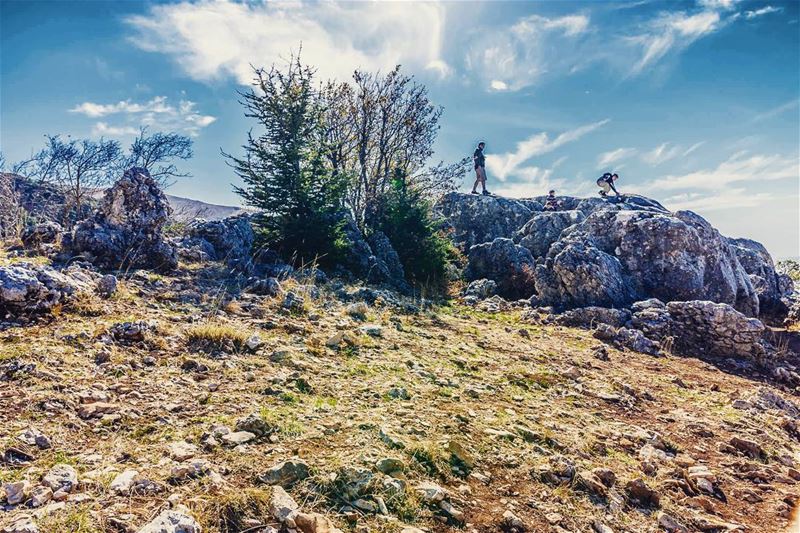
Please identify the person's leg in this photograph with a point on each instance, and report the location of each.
(482, 171)
(604, 187)
(477, 180)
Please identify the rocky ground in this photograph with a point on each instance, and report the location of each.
(174, 403)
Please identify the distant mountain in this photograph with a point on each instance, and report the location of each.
(186, 209)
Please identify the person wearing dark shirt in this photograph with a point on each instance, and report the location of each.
(551, 203)
(479, 161)
(606, 183)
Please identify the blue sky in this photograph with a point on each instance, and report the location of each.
(693, 103)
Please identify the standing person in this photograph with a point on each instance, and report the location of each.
(480, 169)
(606, 183)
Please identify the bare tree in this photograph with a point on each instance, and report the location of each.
(157, 153)
(76, 167)
(376, 126)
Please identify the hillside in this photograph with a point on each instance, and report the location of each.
(191, 383)
(187, 209)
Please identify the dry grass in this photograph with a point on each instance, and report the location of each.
(215, 336)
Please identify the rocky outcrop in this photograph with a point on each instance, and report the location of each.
(545, 228)
(384, 252)
(508, 264)
(126, 231)
(702, 327)
(27, 290)
(229, 240)
(770, 286)
(616, 257)
(589, 317)
(371, 265)
(36, 235)
(474, 219)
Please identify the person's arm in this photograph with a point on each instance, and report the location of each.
(611, 182)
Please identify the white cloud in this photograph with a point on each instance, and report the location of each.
(738, 168)
(156, 113)
(509, 164)
(101, 129)
(211, 39)
(608, 158)
(671, 32)
(749, 15)
(727, 199)
(517, 56)
(774, 112)
(661, 154)
(725, 5)
(692, 148)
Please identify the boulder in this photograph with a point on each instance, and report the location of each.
(383, 250)
(713, 329)
(481, 288)
(509, 265)
(229, 240)
(631, 339)
(615, 257)
(768, 284)
(365, 263)
(588, 317)
(474, 219)
(46, 232)
(545, 228)
(126, 231)
(27, 289)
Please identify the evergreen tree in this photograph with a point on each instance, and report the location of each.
(284, 169)
(407, 220)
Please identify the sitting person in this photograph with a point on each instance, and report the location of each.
(551, 203)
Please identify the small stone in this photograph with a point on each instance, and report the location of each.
(237, 437)
(123, 483)
(399, 393)
(17, 492)
(670, 524)
(387, 465)
(256, 425)
(638, 490)
(182, 450)
(285, 474)
(454, 512)
(107, 286)
(748, 447)
(372, 330)
(21, 524)
(61, 477)
(390, 440)
(41, 495)
(172, 521)
(513, 521)
(281, 505)
(430, 492)
(554, 518)
(461, 454)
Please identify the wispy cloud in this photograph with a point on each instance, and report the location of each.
(661, 154)
(210, 39)
(727, 199)
(606, 159)
(533, 181)
(693, 148)
(671, 32)
(779, 110)
(156, 113)
(749, 15)
(517, 56)
(509, 164)
(740, 167)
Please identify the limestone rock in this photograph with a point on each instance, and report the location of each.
(172, 521)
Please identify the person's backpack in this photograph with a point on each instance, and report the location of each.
(605, 178)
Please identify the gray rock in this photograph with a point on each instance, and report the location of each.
(106, 286)
(27, 289)
(265, 287)
(17, 492)
(285, 474)
(229, 240)
(46, 232)
(256, 425)
(631, 339)
(769, 285)
(544, 229)
(615, 257)
(710, 329)
(61, 477)
(123, 482)
(508, 264)
(22, 523)
(281, 505)
(172, 521)
(126, 231)
(588, 317)
(481, 288)
(478, 219)
(236, 438)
